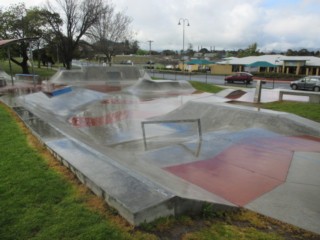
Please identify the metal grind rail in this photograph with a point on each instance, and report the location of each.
(169, 121)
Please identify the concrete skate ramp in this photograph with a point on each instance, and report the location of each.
(63, 105)
(146, 86)
(4, 75)
(91, 74)
(226, 116)
(243, 158)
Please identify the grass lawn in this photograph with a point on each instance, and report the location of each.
(303, 109)
(44, 72)
(206, 87)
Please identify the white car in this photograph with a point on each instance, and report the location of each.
(307, 83)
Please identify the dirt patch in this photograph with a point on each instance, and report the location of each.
(236, 94)
(174, 229)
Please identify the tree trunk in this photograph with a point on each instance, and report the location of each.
(25, 58)
(23, 65)
(109, 58)
(25, 68)
(67, 62)
(68, 65)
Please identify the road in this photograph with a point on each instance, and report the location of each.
(217, 80)
(206, 78)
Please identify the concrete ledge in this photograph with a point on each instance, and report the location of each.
(314, 97)
(116, 186)
(136, 198)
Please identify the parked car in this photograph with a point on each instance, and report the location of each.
(239, 77)
(307, 83)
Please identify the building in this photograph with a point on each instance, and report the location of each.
(298, 65)
(196, 65)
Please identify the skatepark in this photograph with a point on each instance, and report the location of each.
(153, 148)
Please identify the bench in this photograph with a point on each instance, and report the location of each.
(314, 97)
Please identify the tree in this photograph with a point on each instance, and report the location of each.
(134, 47)
(290, 52)
(168, 52)
(304, 52)
(251, 50)
(19, 22)
(204, 50)
(190, 51)
(142, 52)
(111, 34)
(127, 47)
(78, 16)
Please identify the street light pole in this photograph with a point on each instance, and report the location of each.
(184, 21)
(150, 41)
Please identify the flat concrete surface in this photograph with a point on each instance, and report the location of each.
(270, 95)
(265, 161)
(296, 201)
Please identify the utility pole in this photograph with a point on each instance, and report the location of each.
(183, 21)
(150, 41)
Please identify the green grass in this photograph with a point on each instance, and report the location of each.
(43, 72)
(303, 109)
(205, 87)
(221, 231)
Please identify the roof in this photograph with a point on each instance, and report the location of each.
(10, 41)
(261, 64)
(276, 59)
(199, 62)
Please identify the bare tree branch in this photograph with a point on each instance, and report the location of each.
(78, 16)
(111, 29)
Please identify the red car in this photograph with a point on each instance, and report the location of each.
(239, 77)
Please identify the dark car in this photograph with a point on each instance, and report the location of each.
(307, 83)
(239, 77)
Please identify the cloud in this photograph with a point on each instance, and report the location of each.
(227, 24)
(293, 27)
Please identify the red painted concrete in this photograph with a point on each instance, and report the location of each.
(248, 169)
(110, 118)
(109, 112)
(104, 88)
(99, 121)
(259, 159)
(235, 184)
(312, 138)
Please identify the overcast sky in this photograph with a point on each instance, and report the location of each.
(221, 24)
